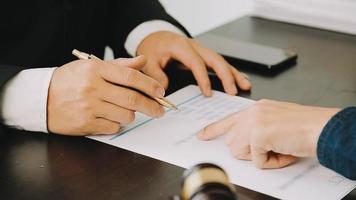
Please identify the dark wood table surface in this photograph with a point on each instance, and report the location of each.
(42, 166)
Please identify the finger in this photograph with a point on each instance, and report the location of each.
(239, 143)
(131, 100)
(240, 152)
(216, 129)
(244, 75)
(220, 66)
(131, 78)
(269, 160)
(239, 132)
(241, 79)
(114, 113)
(135, 63)
(230, 136)
(155, 71)
(186, 54)
(104, 126)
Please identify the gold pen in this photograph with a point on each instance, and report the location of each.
(163, 101)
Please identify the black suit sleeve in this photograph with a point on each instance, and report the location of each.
(131, 13)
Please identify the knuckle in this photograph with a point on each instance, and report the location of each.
(181, 40)
(113, 128)
(91, 67)
(154, 86)
(126, 117)
(87, 87)
(85, 107)
(155, 109)
(83, 124)
(197, 64)
(263, 102)
(131, 76)
(130, 117)
(132, 99)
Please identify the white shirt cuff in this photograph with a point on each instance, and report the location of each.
(143, 30)
(24, 100)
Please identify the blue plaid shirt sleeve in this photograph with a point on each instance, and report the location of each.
(337, 143)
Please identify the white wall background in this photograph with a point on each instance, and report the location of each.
(199, 16)
(336, 15)
(202, 15)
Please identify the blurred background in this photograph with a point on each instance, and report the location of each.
(199, 16)
(202, 15)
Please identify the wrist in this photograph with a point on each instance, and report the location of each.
(323, 116)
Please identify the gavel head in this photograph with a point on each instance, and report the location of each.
(206, 182)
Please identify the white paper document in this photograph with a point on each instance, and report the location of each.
(172, 139)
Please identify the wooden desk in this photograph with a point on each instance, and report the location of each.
(40, 166)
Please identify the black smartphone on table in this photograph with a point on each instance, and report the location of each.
(247, 55)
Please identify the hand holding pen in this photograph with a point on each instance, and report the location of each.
(163, 101)
(96, 97)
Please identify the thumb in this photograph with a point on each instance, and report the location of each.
(135, 63)
(155, 71)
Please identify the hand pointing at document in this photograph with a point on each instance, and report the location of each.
(272, 134)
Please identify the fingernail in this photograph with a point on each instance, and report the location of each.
(248, 83)
(233, 90)
(245, 75)
(246, 80)
(160, 92)
(208, 93)
(200, 135)
(161, 112)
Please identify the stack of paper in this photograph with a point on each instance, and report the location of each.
(336, 15)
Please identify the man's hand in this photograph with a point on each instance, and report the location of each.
(272, 134)
(92, 96)
(161, 47)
